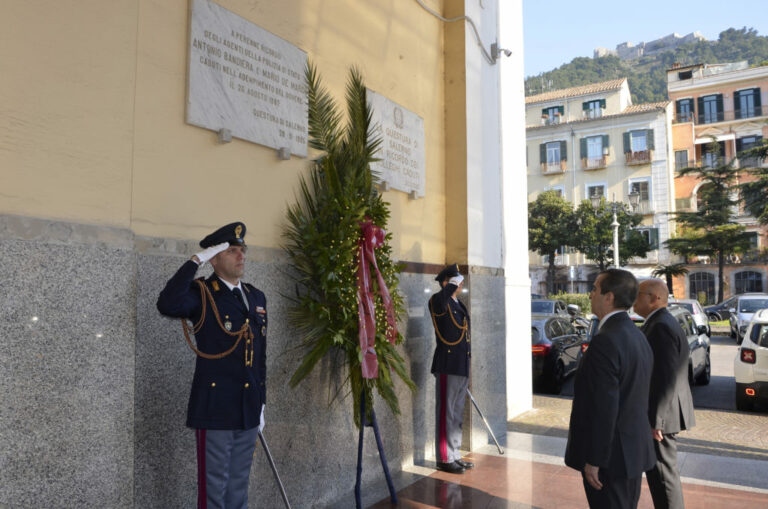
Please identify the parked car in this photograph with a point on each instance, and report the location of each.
(694, 307)
(699, 363)
(744, 307)
(750, 367)
(718, 312)
(556, 348)
(549, 307)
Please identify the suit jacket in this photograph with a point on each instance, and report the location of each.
(609, 426)
(226, 393)
(670, 405)
(452, 333)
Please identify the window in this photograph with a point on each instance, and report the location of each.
(595, 190)
(593, 109)
(711, 108)
(681, 159)
(746, 103)
(552, 154)
(744, 144)
(702, 287)
(642, 188)
(651, 236)
(684, 110)
(638, 145)
(685, 75)
(553, 114)
(711, 156)
(558, 191)
(593, 151)
(748, 281)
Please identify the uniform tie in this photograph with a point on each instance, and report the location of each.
(240, 299)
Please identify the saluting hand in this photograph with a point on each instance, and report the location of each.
(207, 254)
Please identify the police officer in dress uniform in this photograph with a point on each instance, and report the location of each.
(450, 365)
(226, 403)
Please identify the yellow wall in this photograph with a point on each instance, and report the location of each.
(97, 134)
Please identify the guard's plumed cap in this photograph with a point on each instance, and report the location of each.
(234, 233)
(448, 272)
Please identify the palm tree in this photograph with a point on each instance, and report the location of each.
(322, 239)
(670, 271)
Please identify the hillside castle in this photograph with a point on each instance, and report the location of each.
(630, 51)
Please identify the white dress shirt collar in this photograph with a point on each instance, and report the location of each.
(606, 317)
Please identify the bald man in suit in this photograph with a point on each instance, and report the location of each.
(670, 405)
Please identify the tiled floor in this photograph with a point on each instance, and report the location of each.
(502, 482)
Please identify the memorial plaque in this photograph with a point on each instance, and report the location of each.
(245, 79)
(402, 149)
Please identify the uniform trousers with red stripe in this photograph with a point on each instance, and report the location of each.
(450, 395)
(224, 460)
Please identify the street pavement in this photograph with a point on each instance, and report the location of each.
(726, 448)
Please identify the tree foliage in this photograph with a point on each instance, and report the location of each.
(594, 233)
(755, 193)
(710, 230)
(550, 226)
(670, 271)
(321, 240)
(647, 75)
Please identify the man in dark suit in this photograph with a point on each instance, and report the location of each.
(226, 403)
(609, 438)
(450, 365)
(670, 406)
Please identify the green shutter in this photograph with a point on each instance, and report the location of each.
(654, 238)
(602, 103)
(583, 148)
(739, 145)
(677, 107)
(700, 109)
(737, 104)
(545, 111)
(606, 146)
(543, 153)
(627, 143)
(585, 106)
(757, 100)
(561, 109)
(563, 151)
(719, 100)
(649, 139)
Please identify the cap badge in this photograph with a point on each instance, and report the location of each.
(228, 325)
(238, 231)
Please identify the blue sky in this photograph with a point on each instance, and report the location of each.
(556, 31)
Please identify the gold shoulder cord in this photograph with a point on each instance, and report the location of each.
(437, 331)
(245, 330)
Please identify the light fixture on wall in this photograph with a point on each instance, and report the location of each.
(496, 51)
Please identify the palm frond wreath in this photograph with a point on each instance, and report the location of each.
(322, 241)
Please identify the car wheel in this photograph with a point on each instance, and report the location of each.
(714, 317)
(558, 375)
(743, 402)
(705, 375)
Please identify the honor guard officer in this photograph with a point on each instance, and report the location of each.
(226, 404)
(450, 365)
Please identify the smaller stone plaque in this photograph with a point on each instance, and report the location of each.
(245, 79)
(402, 164)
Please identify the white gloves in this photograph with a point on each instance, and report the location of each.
(261, 419)
(207, 254)
(456, 280)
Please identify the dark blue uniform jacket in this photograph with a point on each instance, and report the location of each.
(226, 394)
(452, 349)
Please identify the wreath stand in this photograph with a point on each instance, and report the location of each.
(372, 423)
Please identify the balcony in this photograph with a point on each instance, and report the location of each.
(721, 116)
(644, 207)
(553, 168)
(547, 120)
(641, 157)
(593, 163)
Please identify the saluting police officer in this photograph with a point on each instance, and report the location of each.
(226, 404)
(450, 365)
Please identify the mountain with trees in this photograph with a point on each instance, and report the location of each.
(647, 75)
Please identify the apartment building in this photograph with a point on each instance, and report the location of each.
(592, 141)
(726, 103)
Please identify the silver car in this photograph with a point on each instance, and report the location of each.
(742, 312)
(694, 307)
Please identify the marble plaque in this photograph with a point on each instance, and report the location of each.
(245, 79)
(402, 149)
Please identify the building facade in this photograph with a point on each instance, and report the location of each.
(107, 189)
(592, 141)
(722, 103)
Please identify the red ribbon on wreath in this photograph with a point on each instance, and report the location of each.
(372, 238)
